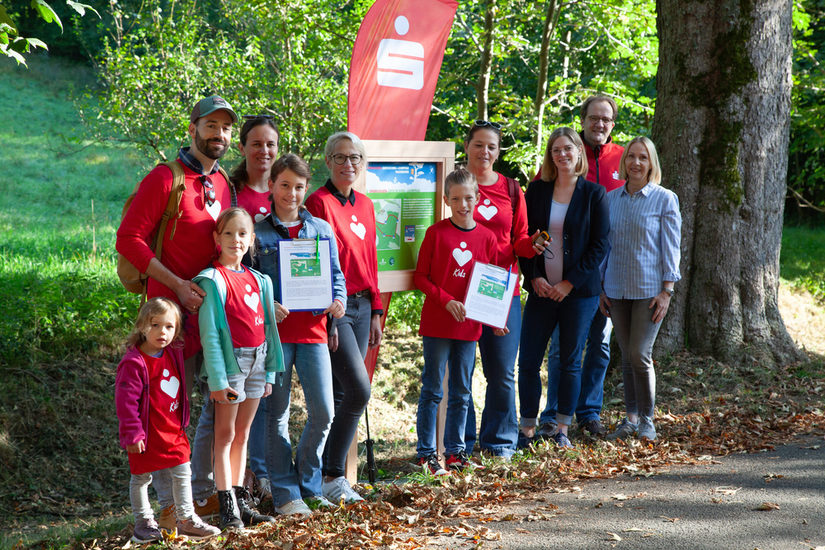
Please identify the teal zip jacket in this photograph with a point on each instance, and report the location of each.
(218, 353)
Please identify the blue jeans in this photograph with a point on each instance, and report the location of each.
(541, 316)
(203, 479)
(459, 356)
(499, 425)
(273, 451)
(594, 368)
(351, 383)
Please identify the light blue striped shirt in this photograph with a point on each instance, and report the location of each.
(645, 237)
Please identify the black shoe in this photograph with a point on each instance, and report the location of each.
(249, 515)
(546, 431)
(228, 518)
(523, 442)
(594, 427)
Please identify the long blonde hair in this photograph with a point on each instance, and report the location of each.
(152, 308)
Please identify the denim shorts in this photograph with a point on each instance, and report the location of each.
(250, 382)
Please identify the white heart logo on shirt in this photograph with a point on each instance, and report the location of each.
(487, 210)
(461, 255)
(261, 215)
(615, 175)
(252, 299)
(170, 386)
(358, 228)
(214, 210)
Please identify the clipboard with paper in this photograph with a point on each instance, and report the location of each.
(490, 294)
(305, 274)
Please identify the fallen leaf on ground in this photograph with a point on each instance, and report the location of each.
(727, 490)
(613, 536)
(767, 506)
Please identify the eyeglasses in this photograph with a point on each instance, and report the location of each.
(342, 159)
(208, 191)
(252, 117)
(484, 123)
(557, 151)
(593, 119)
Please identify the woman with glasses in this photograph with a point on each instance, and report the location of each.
(502, 210)
(563, 282)
(641, 270)
(259, 148)
(352, 217)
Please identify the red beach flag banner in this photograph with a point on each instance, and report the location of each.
(394, 69)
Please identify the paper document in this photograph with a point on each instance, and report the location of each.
(306, 274)
(490, 294)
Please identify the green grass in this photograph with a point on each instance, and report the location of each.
(802, 260)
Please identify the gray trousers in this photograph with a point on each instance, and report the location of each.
(172, 486)
(636, 334)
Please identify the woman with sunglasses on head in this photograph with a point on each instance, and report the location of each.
(352, 217)
(502, 210)
(564, 282)
(641, 270)
(259, 147)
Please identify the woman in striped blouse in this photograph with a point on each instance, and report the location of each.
(641, 269)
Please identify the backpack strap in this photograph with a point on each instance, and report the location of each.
(172, 205)
(232, 191)
(512, 191)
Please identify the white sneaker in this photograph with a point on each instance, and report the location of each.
(295, 507)
(339, 489)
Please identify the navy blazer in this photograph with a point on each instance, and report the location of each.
(585, 238)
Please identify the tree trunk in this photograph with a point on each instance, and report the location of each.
(550, 18)
(722, 126)
(483, 84)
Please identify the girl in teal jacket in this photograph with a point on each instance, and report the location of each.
(241, 356)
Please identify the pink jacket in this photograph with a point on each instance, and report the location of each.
(132, 395)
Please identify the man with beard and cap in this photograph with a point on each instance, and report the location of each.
(598, 117)
(188, 247)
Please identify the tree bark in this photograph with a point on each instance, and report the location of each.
(551, 16)
(483, 84)
(722, 129)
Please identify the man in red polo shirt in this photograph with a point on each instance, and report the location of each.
(188, 247)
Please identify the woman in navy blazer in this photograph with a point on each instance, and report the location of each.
(563, 283)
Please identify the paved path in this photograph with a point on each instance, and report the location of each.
(713, 506)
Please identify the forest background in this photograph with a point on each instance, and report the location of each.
(85, 124)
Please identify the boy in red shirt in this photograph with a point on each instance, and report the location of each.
(445, 262)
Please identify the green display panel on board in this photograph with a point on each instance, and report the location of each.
(404, 197)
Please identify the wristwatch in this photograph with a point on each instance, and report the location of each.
(669, 291)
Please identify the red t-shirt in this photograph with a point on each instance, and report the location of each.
(254, 202)
(302, 327)
(445, 263)
(495, 212)
(243, 307)
(166, 442)
(192, 247)
(354, 226)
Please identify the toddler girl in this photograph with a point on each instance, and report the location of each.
(153, 410)
(241, 354)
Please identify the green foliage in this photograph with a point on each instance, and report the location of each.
(58, 214)
(605, 47)
(405, 310)
(13, 42)
(802, 259)
(806, 160)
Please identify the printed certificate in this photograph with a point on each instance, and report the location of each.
(490, 294)
(305, 273)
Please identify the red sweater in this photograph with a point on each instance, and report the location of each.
(256, 203)
(192, 247)
(604, 170)
(353, 223)
(495, 212)
(445, 263)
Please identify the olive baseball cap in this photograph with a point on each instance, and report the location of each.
(209, 105)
